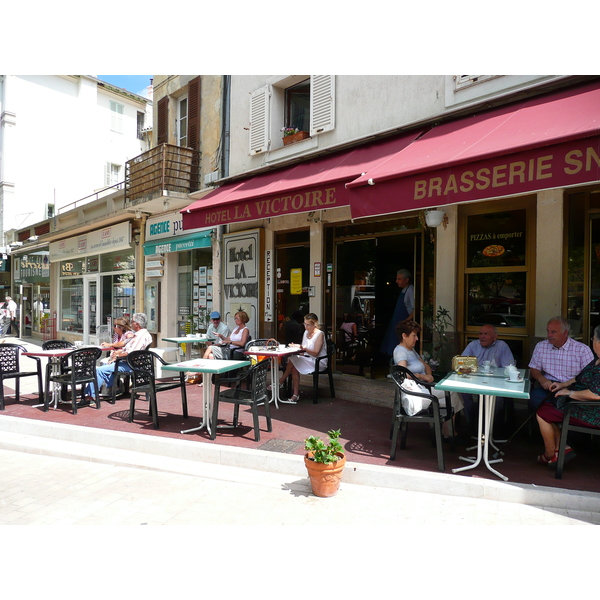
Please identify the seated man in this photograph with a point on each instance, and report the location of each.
(487, 348)
(216, 326)
(556, 359)
(106, 374)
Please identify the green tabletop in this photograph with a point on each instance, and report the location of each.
(207, 365)
(478, 383)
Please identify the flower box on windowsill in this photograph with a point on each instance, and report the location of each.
(295, 137)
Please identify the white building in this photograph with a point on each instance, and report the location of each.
(62, 138)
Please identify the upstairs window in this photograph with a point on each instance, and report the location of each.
(463, 81)
(140, 125)
(297, 106)
(182, 133)
(305, 103)
(112, 174)
(116, 117)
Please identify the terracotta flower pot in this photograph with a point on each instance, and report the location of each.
(296, 137)
(324, 479)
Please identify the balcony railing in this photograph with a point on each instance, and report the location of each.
(165, 167)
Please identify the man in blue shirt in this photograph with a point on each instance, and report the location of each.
(487, 347)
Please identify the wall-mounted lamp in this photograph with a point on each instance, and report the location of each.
(136, 239)
(166, 203)
(434, 217)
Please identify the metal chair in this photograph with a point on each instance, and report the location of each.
(432, 415)
(257, 394)
(78, 368)
(143, 381)
(567, 426)
(328, 370)
(10, 368)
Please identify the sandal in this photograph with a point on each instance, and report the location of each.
(544, 461)
(294, 399)
(569, 454)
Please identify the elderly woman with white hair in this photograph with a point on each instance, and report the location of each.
(105, 375)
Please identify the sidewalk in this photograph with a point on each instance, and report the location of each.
(106, 436)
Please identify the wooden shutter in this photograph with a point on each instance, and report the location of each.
(194, 113)
(162, 128)
(322, 103)
(259, 120)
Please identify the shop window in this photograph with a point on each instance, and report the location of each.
(71, 305)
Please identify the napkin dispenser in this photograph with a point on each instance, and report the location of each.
(465, 361)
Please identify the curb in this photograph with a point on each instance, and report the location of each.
(202, 459)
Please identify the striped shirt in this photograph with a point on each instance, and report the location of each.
(560, 364)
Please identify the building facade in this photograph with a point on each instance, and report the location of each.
(512, 161)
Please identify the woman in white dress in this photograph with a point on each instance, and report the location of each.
(236, 340)
(313, 344)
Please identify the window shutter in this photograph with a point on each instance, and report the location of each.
(194, 114)
(162, 132)
(322, 103)
(107, 174)
(259, 120)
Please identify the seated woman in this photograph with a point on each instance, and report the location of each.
(349, 339)
(405, 355)
(122, 334)
(586, 386)
(313, 344)
(236, 340)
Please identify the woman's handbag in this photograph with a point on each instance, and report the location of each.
(414, 404)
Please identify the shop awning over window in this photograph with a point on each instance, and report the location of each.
(309, 186)
(540, 143)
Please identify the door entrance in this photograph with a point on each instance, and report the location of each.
(91, 286)
(366, 293)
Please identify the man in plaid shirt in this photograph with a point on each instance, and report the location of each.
(558, 358)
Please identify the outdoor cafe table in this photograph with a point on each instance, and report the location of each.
(274, 354)
(207, 367)
(54, 358)
(487, 387)
(188, 341)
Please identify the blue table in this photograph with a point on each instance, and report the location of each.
(487, 386)
(208, 368)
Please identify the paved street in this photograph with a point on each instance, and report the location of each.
(45, 490)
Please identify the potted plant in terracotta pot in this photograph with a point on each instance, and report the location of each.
(293, 134)
(324, 463)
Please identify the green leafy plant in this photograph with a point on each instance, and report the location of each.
(289, 131)
(439, 324)
(321, 452)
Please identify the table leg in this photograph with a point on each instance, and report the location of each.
(490, 403)
(275, 380)
(474, 460)
(54, 370)
(206, 404)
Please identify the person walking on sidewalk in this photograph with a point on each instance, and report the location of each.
(9, 317)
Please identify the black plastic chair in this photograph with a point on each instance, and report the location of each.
(432, 415)
(77, 369)
(56, 345)
(143, 381)
(328, 370)
(257, 394)
(121, 380)
(10, 368)
(567, 426)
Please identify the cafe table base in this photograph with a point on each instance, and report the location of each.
(208, 368)
(484, 433)
(487, 386)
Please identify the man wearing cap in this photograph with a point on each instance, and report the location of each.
(216, 326)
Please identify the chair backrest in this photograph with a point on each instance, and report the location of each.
(257, 342)
(9, 358)
(400, 375)
(56, 345)
(259, 374)
(142, 366)
(82, 363)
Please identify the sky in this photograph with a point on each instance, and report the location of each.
(132, 83)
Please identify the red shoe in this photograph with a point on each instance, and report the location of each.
(569, 454)
(545, 461)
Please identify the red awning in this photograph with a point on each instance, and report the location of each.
(313, 185)
(541, 121)
(541, 143)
